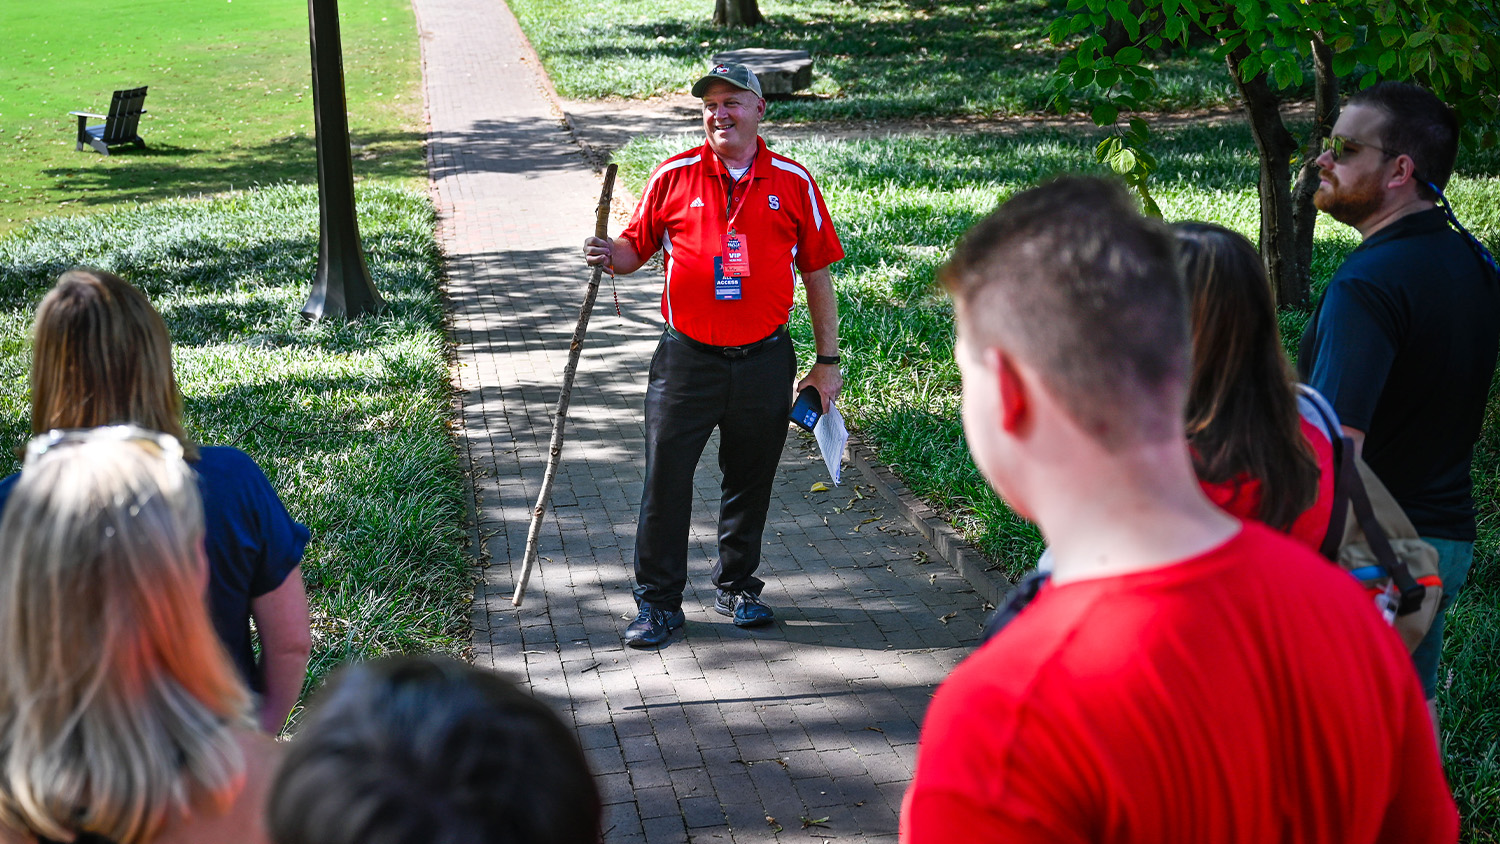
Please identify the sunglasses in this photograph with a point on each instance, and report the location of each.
(1340, 147)
(152, 442)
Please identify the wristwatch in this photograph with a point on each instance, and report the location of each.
(829, 359)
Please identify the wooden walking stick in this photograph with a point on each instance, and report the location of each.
(554, 451)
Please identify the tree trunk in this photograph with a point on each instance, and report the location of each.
(342, 286)
(1326, 111)
(734, 13)
(1278, 234)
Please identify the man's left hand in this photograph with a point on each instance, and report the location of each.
(827, 378)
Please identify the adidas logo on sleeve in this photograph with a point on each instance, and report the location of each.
(696, 203)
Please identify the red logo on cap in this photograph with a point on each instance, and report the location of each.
(721, 69)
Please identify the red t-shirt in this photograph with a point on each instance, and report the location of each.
(779, 210)
(1242, 498)
(1250, 694)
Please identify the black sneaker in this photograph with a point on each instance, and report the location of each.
(746, 609)
(653, 626)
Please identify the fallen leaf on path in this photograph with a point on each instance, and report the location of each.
(876, 729)
(807, 822)
(949, 617)
(771, 822)
(820, 487)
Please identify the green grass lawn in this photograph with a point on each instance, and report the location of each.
(230, 103)
(350, 421)
(872, 59)
(900, 204)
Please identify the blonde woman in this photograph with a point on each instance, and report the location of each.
(101, 355)
(121, 719)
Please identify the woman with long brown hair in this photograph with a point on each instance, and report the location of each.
(1257, 447)
(101, 355)
(122, 720)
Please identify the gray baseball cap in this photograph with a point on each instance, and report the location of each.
(735, 74)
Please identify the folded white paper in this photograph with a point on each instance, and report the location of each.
(832, 436)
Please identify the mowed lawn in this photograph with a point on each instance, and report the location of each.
(901, 203)
(872, 58)
(230, 101)
(349, 421)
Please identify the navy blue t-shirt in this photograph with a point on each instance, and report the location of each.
(252, 544)
(1403, 345)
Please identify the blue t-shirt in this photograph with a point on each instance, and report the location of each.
(252, 544)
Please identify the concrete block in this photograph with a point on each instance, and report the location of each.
(779, 71)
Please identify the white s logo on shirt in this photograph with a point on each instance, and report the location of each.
(775, 201)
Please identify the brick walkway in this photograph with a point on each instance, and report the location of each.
(711, 736)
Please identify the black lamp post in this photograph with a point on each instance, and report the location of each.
(342, 286)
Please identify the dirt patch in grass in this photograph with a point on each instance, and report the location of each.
(603, 126)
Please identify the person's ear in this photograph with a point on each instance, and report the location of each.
(761, 109)
(1015, 402)
(1403, 171)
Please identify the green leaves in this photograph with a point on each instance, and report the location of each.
(1125, 154)
(1288, 74)
(1451, 47)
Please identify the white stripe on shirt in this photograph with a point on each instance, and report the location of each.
(812, 198)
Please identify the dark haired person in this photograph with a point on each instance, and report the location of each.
(1403, 344)
(1185, 676)
(426, 750)
(1259, 446)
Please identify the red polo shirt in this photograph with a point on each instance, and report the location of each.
(777, 207)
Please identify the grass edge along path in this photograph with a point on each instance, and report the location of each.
(351, 422)
(900, 203)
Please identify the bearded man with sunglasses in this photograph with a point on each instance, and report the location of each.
(1404, 342)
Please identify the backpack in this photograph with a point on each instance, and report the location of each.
(1370, 536)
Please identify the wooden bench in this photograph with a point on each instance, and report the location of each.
(120, 125)
(779, 71)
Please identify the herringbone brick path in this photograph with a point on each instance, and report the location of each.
(711, 736)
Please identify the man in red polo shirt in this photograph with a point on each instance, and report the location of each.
(736, 221)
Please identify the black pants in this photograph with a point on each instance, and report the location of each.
(690, 393)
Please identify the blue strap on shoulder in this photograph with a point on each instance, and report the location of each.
(1453, 221)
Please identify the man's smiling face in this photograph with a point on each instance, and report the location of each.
(731, 119)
